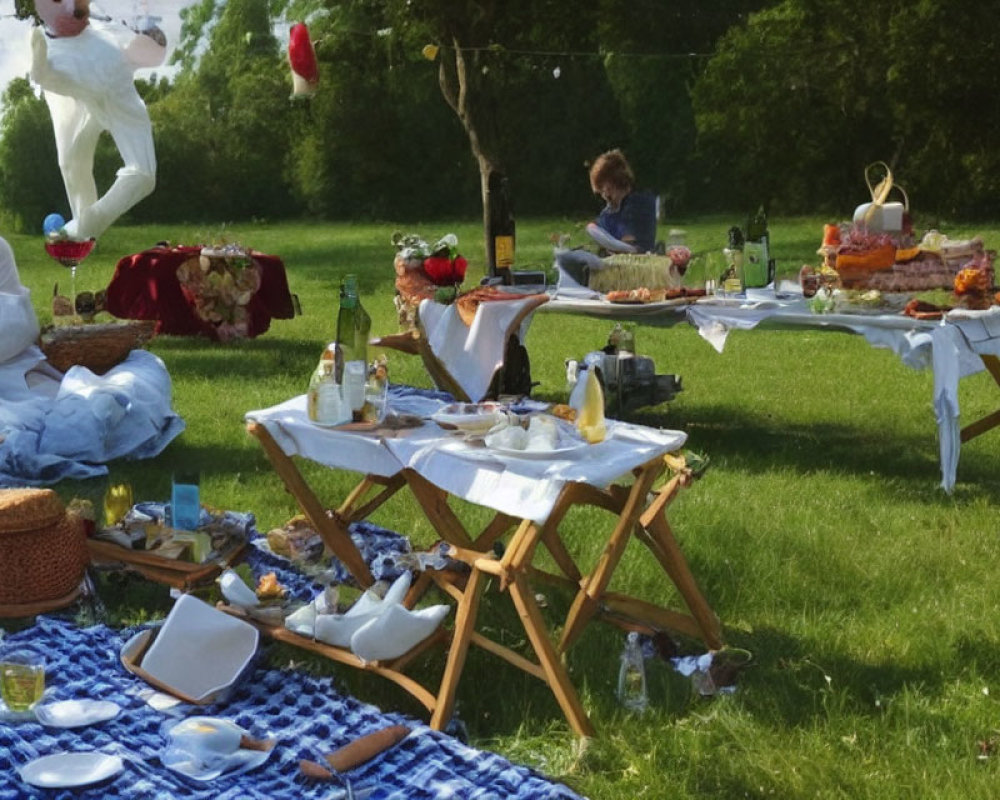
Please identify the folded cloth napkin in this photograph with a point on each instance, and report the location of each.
(472, 353)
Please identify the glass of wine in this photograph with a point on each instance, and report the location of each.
(22, 680)
(70, 254)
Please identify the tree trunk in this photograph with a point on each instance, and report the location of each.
(458, 85)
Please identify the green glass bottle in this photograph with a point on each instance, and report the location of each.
(353, 328)
(756, 252)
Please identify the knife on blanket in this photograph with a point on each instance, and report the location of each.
(354, 754)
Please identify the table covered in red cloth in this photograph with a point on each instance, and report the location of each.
(146, 286)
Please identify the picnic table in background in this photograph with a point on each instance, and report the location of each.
(152, 285)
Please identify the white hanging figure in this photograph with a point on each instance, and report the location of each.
(86, 69)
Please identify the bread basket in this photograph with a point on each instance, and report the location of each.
(98, 346)
(43, 553)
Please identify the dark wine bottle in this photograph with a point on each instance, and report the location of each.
(501, 229)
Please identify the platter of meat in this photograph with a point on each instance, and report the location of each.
(921, 309)
(662, 297)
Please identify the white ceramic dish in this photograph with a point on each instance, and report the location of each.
(200, 651)
(76, 713)
(566, 440)
(206, 748)
(65, 770)
(469, 417)
(239, 762)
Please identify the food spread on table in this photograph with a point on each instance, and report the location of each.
(878, 251)
(643, 294)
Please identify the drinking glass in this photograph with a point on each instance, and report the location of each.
(185, 502)
(117, 503)
(22, 680)
(715, 268)
(376, 400)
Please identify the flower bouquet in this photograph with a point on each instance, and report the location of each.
(425, 272)
(219, 284)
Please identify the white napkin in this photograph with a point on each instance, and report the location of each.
(472, 353)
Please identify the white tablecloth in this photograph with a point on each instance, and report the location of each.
(951, 347)
(526, 488)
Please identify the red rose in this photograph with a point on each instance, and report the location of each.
(445, 271)
(438, 269)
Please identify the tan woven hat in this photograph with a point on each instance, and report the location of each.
(43, 553)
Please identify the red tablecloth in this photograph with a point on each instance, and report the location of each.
(145, 286)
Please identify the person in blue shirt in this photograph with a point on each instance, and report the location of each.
(627, 223)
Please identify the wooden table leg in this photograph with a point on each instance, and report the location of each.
(990, 421)
(555, 673)
(350, 508)
(664, 546)
(465, 624)
(587, 600)
(334, 533)
(434, 502)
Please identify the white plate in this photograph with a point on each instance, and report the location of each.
(63, 770)
(76, 713)
(558, 452)
(469, 417)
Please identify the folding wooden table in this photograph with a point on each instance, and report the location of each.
(530, 499)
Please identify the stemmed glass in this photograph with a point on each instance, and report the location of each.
(70, 254)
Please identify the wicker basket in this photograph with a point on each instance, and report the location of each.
(43, 552)
(98, 347)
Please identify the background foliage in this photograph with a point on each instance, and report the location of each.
(720, 108)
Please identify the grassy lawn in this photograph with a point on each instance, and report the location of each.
(819, 534)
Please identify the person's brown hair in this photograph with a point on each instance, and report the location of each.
(611, 167)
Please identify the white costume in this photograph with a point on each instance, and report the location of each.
(88, 80)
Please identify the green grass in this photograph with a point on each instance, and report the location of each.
(819, 534)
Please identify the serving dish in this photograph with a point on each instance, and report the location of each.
(206, 748)
(199, 653)
(558, 452)
(469, 417)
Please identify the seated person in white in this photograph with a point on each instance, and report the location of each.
(55, 426)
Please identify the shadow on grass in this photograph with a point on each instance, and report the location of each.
(760, 443)
(264, 358)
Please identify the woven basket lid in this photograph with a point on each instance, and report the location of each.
(29, 509)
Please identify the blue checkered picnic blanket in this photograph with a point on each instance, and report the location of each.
(306, 714)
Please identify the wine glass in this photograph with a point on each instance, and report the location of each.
(70, 254)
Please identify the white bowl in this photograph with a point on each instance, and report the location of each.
(469, 417)
(200, 651)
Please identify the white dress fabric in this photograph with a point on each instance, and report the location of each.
(55, 426)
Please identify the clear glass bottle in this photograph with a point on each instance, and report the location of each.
(632, 676)
(325, 398)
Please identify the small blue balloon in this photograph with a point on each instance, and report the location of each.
(52, 223)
